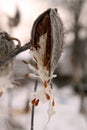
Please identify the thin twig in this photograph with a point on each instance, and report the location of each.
(33, 107)
(14, 53)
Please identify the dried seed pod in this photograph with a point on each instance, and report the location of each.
(47, 38)
(46, 47)
(6, 46)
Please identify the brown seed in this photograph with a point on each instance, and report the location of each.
(45, 84)
(53, 103)
(33, 101)
(26, 75)
(36, 102)
(47, 96)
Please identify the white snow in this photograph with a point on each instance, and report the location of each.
(67, 116)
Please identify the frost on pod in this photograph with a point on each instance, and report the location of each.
(46, 47)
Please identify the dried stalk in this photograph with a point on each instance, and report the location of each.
(14, 53)
(33, 107)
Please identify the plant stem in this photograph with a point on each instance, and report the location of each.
(14, 53)
(33, 108)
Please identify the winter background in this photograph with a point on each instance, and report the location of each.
(13, 114)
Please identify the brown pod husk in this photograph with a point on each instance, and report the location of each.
(48, 24)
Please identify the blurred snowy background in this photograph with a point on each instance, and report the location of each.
(70, 87)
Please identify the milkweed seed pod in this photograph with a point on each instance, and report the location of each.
(49, 29)
(47, 44)
(6, 46)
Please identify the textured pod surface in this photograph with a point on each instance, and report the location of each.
(47, 38)
(56, 38)
(6, 46)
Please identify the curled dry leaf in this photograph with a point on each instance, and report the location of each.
(46, 47)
